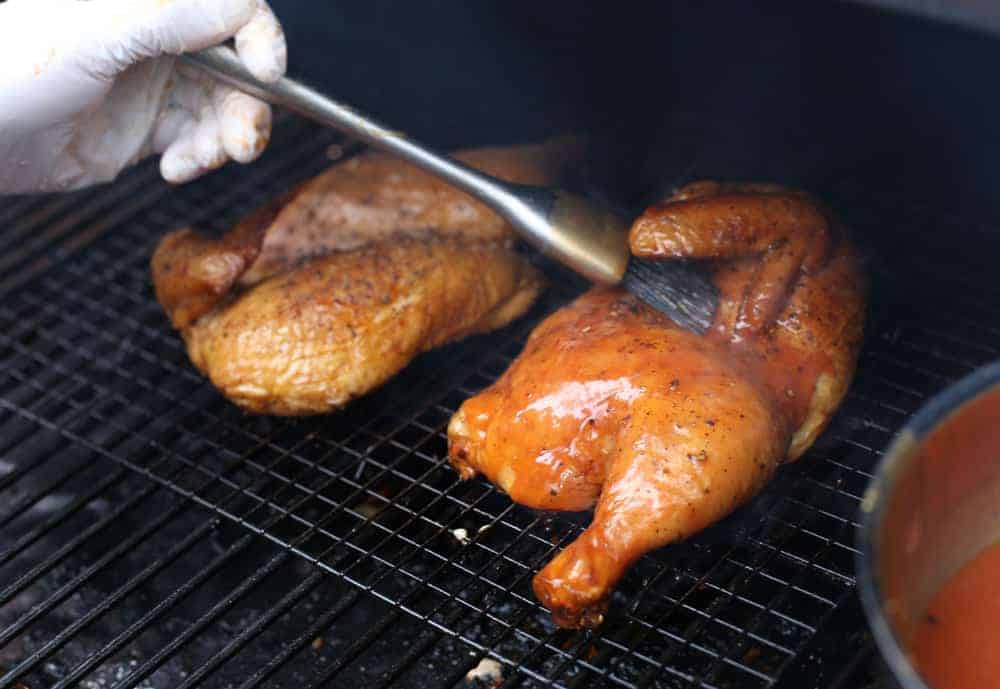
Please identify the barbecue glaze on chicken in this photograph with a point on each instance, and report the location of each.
(666, 431)
(327, 291)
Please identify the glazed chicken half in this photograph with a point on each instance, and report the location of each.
(612, 404)
(327, 291)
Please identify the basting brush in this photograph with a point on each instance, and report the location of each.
(585, 236)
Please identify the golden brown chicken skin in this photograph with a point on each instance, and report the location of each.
(327, 291)
(315, 337)
(666, 431)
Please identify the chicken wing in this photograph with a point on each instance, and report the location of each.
(666, 431)
(327, 291)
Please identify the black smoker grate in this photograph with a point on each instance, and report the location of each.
(152, 535)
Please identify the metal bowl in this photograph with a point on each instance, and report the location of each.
(933, 504)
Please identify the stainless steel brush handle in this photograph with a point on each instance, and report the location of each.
(582, 235)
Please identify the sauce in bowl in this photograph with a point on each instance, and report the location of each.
(957, 641)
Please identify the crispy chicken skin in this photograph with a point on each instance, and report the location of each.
(314, 337)
(666, 431)
(327, 291)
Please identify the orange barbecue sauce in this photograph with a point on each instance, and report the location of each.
(957, 642)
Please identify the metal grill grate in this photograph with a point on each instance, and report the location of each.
(152, 535)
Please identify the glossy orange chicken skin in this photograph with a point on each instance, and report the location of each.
(666, 431)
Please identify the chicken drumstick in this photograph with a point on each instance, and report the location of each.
(667, 431)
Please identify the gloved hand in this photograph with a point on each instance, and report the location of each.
(88, 87)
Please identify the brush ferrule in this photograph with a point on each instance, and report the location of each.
(582, 235)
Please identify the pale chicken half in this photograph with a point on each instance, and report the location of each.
(324, 293)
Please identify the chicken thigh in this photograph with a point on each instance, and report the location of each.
(327, 291)
(612, 404)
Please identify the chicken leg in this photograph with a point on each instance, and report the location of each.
(667, 431)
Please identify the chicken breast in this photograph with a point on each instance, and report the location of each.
(314, 337)
(326, 291)
(613, 404)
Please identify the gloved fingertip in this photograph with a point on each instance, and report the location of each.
(262, 47)
(267, 65)
(177, 168)
(193, 155)
(246, 127)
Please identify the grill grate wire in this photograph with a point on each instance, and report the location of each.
(152, 535)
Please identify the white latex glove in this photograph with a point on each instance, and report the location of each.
(89, 87)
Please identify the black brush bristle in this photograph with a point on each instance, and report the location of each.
(677, 289)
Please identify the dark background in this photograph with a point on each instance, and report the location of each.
(795, 92)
